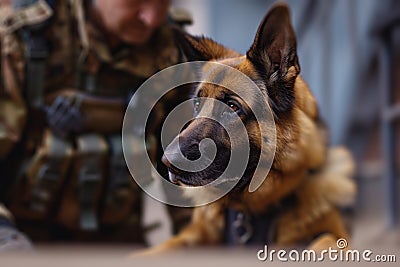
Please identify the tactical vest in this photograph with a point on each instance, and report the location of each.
(81, 184)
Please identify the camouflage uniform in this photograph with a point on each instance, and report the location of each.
(80, 186)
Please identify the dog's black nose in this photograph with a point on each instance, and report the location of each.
(181, 148)
(171, 160)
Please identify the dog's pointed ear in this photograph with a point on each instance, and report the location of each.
(200, 48)
(274, 55)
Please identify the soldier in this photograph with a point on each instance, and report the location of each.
(68, 69)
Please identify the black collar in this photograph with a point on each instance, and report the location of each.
(245, 228)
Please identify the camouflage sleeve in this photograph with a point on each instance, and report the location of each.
(180, 16)
(12, 107)
(12, 68)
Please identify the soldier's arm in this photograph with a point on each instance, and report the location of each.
(100, 114)
(12, 104)
(103, 115)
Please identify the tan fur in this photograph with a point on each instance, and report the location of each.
(301, 146)
(314, 212)
(318, 177)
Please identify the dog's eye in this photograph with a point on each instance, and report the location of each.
(233, 105)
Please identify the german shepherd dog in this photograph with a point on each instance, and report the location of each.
(308, 183)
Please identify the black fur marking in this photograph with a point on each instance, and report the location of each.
(272, 54)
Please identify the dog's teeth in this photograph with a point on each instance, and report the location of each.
(172, 177)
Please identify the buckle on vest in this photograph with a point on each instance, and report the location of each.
(242, 230)
(48, 178)
(92, 150)
(89, 179)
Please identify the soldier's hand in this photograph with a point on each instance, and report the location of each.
(10, 238)
(64, 115)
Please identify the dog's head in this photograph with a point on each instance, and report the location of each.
(272, 63)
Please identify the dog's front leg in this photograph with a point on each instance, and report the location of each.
(192, 235)
(323, 242)
(205, 228)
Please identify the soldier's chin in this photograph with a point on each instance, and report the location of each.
(137, 37)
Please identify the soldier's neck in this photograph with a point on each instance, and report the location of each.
(94, 17)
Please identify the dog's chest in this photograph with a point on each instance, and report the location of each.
(244, 228)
